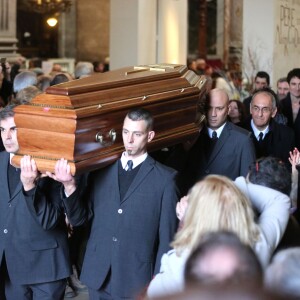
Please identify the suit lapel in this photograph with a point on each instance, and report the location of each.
(3, 173)
(17, 189)
(146, 167)
(220, 143)
(115, 180)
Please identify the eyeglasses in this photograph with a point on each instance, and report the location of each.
(264, 109)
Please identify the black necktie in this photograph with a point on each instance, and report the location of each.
(260, 137)
(214, 135)
(129, 165)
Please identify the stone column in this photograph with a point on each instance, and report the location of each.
(92, 19)
(8, 40)
(148, 32)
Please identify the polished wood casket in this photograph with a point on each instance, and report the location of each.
(82, 120)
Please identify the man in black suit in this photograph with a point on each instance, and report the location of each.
(291, 103)
(34, 254)
(221, 148)
(269, 137)
(132, 207)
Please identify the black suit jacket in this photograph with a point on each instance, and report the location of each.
(286, 109)
(129, 236)
(231, 156)
(33, 234)
(278, 142)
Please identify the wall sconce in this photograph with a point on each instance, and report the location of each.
(52, 21)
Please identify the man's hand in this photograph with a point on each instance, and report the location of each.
(29, 172)
(181, 207)
(294, 159)
(62, 173)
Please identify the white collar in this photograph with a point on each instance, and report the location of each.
(218, 131)
(257, 132)
(136, 161)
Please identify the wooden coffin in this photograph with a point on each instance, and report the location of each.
(82, 120)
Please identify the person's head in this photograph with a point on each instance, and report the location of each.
(208, 70)
(83, 69)
(8, 129)
(201, 63)
(223, 291)
(56, 68)
(23, 80)
(263, 107)
(44, 82)
(217, 107)
(192, 65)
(283, 274)
(261, 80)
(59, 78)
(293, 79)
(236, 111)
(26, 95)
(215, 203)
(137, 132)
(99, 66)
(282, 87)
(271, 172)
(221, 257)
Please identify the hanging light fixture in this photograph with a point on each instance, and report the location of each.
(49, 6)
(52, 21)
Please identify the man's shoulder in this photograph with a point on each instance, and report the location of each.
(238, 131)
(285, 101)
(160, 167)
(3, 155)
(282, 129)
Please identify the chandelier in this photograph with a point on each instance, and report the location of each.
(49, 6)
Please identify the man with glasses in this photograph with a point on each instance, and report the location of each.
(270, 138)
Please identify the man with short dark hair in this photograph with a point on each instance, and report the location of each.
(291, 103)
(132, 207)
(283, 88)
(34, 253)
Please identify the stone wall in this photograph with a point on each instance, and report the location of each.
(92, 40)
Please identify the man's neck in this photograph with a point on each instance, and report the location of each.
(294, 98)
(259, 128)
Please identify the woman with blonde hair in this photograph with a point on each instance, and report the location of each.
(217, 203)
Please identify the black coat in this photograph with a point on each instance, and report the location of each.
(286, 109)
(231, 156)
(278, 142)
(33, 235)
(130, 235)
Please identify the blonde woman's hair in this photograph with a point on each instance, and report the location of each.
(215, 203)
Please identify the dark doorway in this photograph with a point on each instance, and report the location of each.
(35, 37)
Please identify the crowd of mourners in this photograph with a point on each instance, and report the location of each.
(215, 216)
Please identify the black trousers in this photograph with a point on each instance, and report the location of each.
(54, 290)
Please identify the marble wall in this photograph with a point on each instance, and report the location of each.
(8, 38)
(93, 19)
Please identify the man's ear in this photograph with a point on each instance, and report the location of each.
(151, 135)
(228, 110)
(274, 112)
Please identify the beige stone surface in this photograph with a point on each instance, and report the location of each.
(92, 29)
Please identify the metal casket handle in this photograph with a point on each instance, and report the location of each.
(112, 135)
